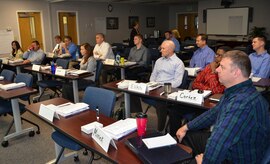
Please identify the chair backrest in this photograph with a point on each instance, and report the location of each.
(98, 71)
(185, 82)
(63, 63)
(101, 98)
(8, 74)
(27, 79)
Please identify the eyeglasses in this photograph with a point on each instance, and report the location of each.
(218, 55)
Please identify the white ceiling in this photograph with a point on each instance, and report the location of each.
(132, 1)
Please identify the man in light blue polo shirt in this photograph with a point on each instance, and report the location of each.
(260, 60)
(204, 55)
(169, 36)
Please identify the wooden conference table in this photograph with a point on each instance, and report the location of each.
(71, 127)
(154, 94)
(68, 77)
(14, 96)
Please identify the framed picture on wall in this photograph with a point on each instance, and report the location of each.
(131, 20)
(112, 23)
(150, 21)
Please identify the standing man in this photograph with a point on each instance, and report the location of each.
(139, 54)
(134, 31)
(260, 60)
(168, 69)
(69, 48)
(204, 55)
(34, 54)
(169, 36)
(241, 121)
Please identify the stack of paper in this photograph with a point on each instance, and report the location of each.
(121, 128)
(68, 109)
(1, 77)
(192, 71)
(15, 61)
(124, 84)
(129, 63)
(160, 141)
(12, 86)
(88, 128)
(153, 85)
(76, 72)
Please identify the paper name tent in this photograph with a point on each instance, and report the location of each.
(121, 128)
(68, 109)
(12, 86)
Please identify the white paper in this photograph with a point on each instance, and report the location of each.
(192, 71)
(68, 109)
(12, 86)
(124, 84)
(88, 128)
(255, 79)
(160, 141)
(1, 77)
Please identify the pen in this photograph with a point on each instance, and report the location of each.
(161, 93)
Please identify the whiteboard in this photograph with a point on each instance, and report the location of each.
(6, 37)
(228, 21)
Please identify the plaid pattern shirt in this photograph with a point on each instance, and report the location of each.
(242, 126)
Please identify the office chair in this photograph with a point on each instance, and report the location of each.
(6, 107)
(55, 85)
(95, 98)
(8, 75)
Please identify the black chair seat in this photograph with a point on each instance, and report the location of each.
(49, 83)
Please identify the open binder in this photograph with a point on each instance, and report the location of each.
(161, 155)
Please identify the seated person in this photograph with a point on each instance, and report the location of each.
(138, 54)
(260, 60)
(168, 69)
(68, 48)
(88, 63)
(241, 120)
(203, 55)
(34, 54)
(59, 43)
(207, 79)
(169, 36)
(17, 52)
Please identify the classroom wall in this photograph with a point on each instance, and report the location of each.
(260, 14)
(8, 15)
(88, 11)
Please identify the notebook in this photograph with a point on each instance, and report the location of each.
(161, 155)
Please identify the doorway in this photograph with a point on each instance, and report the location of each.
(68, 25)
(30, 28)
(188, 25)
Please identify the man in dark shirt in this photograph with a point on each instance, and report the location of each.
(241, 120)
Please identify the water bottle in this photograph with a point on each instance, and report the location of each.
(117, 58)
(77, 54)
(52, 67)
(97, 113)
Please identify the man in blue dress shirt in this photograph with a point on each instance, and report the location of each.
(260, 60)
(204, 55)
(169, 36)
(69, 47)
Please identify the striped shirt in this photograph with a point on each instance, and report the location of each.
(242, 126)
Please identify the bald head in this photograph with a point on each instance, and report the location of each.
(167, 48)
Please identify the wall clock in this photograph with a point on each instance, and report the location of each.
(110, 8)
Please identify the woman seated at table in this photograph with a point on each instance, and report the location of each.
(17, 52)
(88, 63)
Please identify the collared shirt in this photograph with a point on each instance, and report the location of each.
(89, 66)
(177, 45)
(260, 64)
(168, 70)
(206, 80)
(36, 57)
(104, 50)
(72, 48)
(242, 126)
(202, 57)
(138, 55)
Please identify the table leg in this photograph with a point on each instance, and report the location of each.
(127, 105)
(17, 121)
(122, 73)
(75, 90)
(18, 69)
